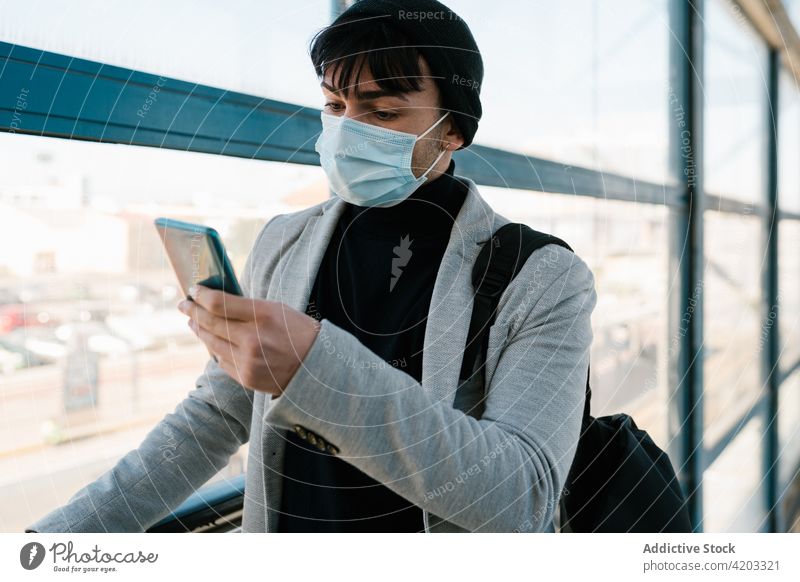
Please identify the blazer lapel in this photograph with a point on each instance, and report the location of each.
(295, 278)
(451, 305)
(299, 270)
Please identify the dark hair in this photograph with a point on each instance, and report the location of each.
(348, 45)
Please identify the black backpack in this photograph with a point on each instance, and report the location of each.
(619, 481)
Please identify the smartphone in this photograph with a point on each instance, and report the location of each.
(197, 256)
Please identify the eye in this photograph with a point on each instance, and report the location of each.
(332, 106)
(385, 115)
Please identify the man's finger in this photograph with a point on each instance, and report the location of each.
(218, 345)
(223, 304)
(229, 329)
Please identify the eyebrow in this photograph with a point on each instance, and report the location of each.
(368, 95)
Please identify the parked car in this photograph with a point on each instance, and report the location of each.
(17, 315)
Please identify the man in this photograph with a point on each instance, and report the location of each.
(341, 363)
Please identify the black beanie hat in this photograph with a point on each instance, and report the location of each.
(445, 42)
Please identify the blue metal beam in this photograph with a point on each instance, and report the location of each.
(494, 167)
(733, 206)
(79, 99)
(782, 377)
(53, 95)
(758, 408)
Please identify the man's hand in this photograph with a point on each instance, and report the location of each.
(259, 343)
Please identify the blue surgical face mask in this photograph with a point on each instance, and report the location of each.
(368, 165)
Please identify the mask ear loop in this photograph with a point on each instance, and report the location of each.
(443, 152)
(431, 127)
(436, 161)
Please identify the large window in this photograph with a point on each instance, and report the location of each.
(618, 240)
(581, 82)
(735, 138)
(789, 278)
(734, 91)
(793, 9)
(789, 143)
(733, 486)
(789, 294)
(789, 430)
(258, 48)
(789, 230)
(93, 351)
(733, 331)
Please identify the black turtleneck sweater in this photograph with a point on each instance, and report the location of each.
(375, 281)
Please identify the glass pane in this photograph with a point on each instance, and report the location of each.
(733, 488)
(789, 292)
(573, 98)
(259, 48)
(789, 144)
(733, 332)
(58, 288)
(793, 9)
(619, 241)
(789, 428)
(559, 81)
(735, 110)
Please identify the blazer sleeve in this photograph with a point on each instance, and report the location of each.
(503, 472)
(180, 454)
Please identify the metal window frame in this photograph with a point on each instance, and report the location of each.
(770, 357)
(685, 317)
(84, 100)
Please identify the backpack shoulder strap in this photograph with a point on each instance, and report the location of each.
(499, 261)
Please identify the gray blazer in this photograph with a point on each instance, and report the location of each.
(502, 472)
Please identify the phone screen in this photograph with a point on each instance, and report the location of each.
(197, 257)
